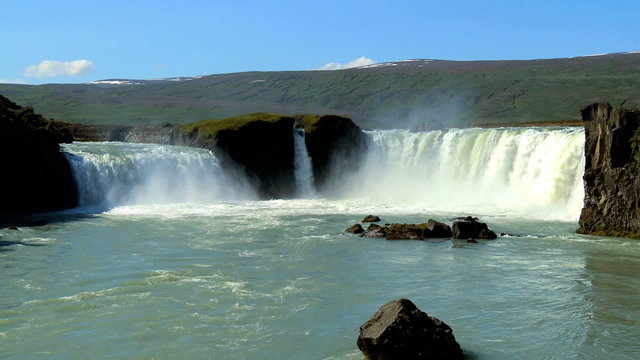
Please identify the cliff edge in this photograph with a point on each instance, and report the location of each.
(36, 176)
(611, 181)
(262, 145)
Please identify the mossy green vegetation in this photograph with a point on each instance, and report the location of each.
(208, 128)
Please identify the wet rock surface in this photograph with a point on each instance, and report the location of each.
(463, 228)
(471, 228)
(611, 181)
(399, 330)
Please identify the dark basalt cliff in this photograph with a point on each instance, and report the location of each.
(612, 184)
(262, 149)
(335, 145)
(262, 144)
(36, 176)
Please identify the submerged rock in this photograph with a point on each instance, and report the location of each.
(611, 181)
(471, 228)
(399, 330)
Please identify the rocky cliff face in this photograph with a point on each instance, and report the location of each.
(263, 146)
(265, 151)
(36, 176)
(335, 144)
(611, 178)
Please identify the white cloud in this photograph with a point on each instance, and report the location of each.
(361, 61)
(12, 81)
(51, 68)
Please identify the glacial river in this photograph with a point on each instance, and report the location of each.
(168, 258)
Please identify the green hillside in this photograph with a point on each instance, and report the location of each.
(399, 94)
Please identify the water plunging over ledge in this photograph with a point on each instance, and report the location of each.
(302, 166)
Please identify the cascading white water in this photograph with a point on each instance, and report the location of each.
(111, 174)
(528, 171)
(536, 172)
(302, 166)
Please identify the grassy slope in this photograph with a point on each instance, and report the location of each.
(456, 93)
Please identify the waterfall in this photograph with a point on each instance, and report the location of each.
(534, 172)
(302, 166)
(529, 171)
(112, 174)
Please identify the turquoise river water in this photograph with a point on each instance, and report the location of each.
(168, 258)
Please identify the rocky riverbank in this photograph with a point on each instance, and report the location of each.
(36, 176)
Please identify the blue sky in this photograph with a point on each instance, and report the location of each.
(98, 39)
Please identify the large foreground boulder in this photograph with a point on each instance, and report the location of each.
(611, 181)
(399, 330)
(35, 176)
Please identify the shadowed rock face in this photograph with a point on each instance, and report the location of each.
(266, 151)
(399, 330)
(336, 146)
(611, 177)
(36, 176)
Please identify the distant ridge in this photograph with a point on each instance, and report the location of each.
(402, 93)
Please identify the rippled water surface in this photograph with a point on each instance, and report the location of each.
(279, 280)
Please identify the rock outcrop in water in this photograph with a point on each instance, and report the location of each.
(611, 181)
(428, 230)
(36, 176)
(471, 228)
(399, 330)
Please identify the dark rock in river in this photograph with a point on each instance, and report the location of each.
(471, 228)
(371, 218)
(407, 232)
(438, 229)
(36, 176)
(375, 231)
(611, 175)
(399, 330)
(355, 229)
